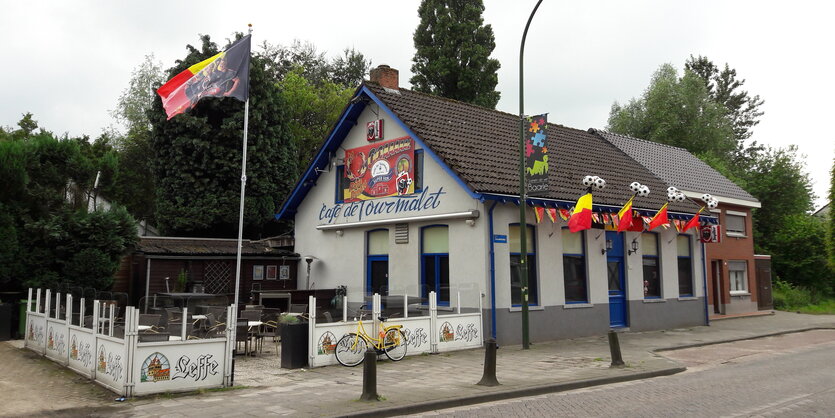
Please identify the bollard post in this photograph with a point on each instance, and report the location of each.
(369, 376)
(614, 348)
(489, 377)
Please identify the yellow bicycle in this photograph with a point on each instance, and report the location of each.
(350, 349)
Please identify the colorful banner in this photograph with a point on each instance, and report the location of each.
(223, 75)
(380, 170)
(536, 155)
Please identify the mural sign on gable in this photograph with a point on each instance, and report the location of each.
(380, 170)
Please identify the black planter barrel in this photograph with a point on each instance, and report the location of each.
(294, 345)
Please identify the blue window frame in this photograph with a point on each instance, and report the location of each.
(377, 262)
(651, 265)
(514, 242)
(574, 267)
(685, 265)
(434, 262)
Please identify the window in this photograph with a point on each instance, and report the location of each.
(435, 262)
(685, 266)
(377, 267)
(341, 184)
(738, 273)
(515, 242)
(652, 272)
(418, 170)
(574, 267)
(735, 223)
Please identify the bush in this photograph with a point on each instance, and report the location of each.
(788, 297)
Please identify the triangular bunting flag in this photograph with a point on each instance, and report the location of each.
(552, 214)
(538, 212)
(660, 218)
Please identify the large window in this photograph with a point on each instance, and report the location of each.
(377, 266)
(652, 270)
(435, 262)
(735, 223)
(574, 267)
(738, 271)
(685, 266)
(515, 258)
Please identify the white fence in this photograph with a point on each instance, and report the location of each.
(122, 363)
(432, 331)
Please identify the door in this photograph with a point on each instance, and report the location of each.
(618, 317)
(378, 275)
(764, 301)
(716, 268)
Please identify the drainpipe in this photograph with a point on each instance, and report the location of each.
(704, 283)
(492, 273)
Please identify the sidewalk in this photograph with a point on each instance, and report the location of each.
(422, 383)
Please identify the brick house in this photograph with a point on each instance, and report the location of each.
(738, 281)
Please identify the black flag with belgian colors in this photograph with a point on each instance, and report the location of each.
(223, 75)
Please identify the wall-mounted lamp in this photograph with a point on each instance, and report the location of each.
(634, 246)
(608, 247)
(470, 222)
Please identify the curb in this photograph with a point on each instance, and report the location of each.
(732, 340)
(510, 394)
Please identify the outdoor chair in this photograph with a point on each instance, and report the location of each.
(152, 320)
(214, 328)
(251, 315)
(299, 308)
(147, 337)
(242, 335)
(174, 314)
(175, 329)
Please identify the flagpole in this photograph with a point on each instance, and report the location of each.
(243, 192)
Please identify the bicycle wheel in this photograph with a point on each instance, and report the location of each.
(350, 350)
(394, 344)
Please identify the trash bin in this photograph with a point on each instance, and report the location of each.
(6, 321)
(294, 345)
(21, 330)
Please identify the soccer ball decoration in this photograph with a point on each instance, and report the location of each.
(639, 189)
(644, 191)
(675, 195)
(588, 181)
(710, 201)
(635, 186)
(594, 181)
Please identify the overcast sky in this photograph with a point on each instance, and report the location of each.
(68, 61)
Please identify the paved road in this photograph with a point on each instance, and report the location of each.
(790, 375)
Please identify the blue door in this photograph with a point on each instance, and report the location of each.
(617, 284)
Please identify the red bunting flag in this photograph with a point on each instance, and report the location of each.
(552, 214)
(693, 222)
(660, 218)
(625, 216)
(581, 217)
(538, 212)
(565, 214)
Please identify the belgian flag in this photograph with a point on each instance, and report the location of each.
(223, 75)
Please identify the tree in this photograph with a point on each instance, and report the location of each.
(831, 219)
(452, 57)
(800, 260)
(347, 70)
(679, 112)
(777, 178)
(742, 110)
(312, 111)
(136, 100)
(48, 235)
(197, 157)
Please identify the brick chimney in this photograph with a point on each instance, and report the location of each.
(386, 77)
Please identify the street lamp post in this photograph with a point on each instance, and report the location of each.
(523, 222)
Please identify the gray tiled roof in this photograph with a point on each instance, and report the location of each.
(482, 147)
(207, 247)
(677, 166)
